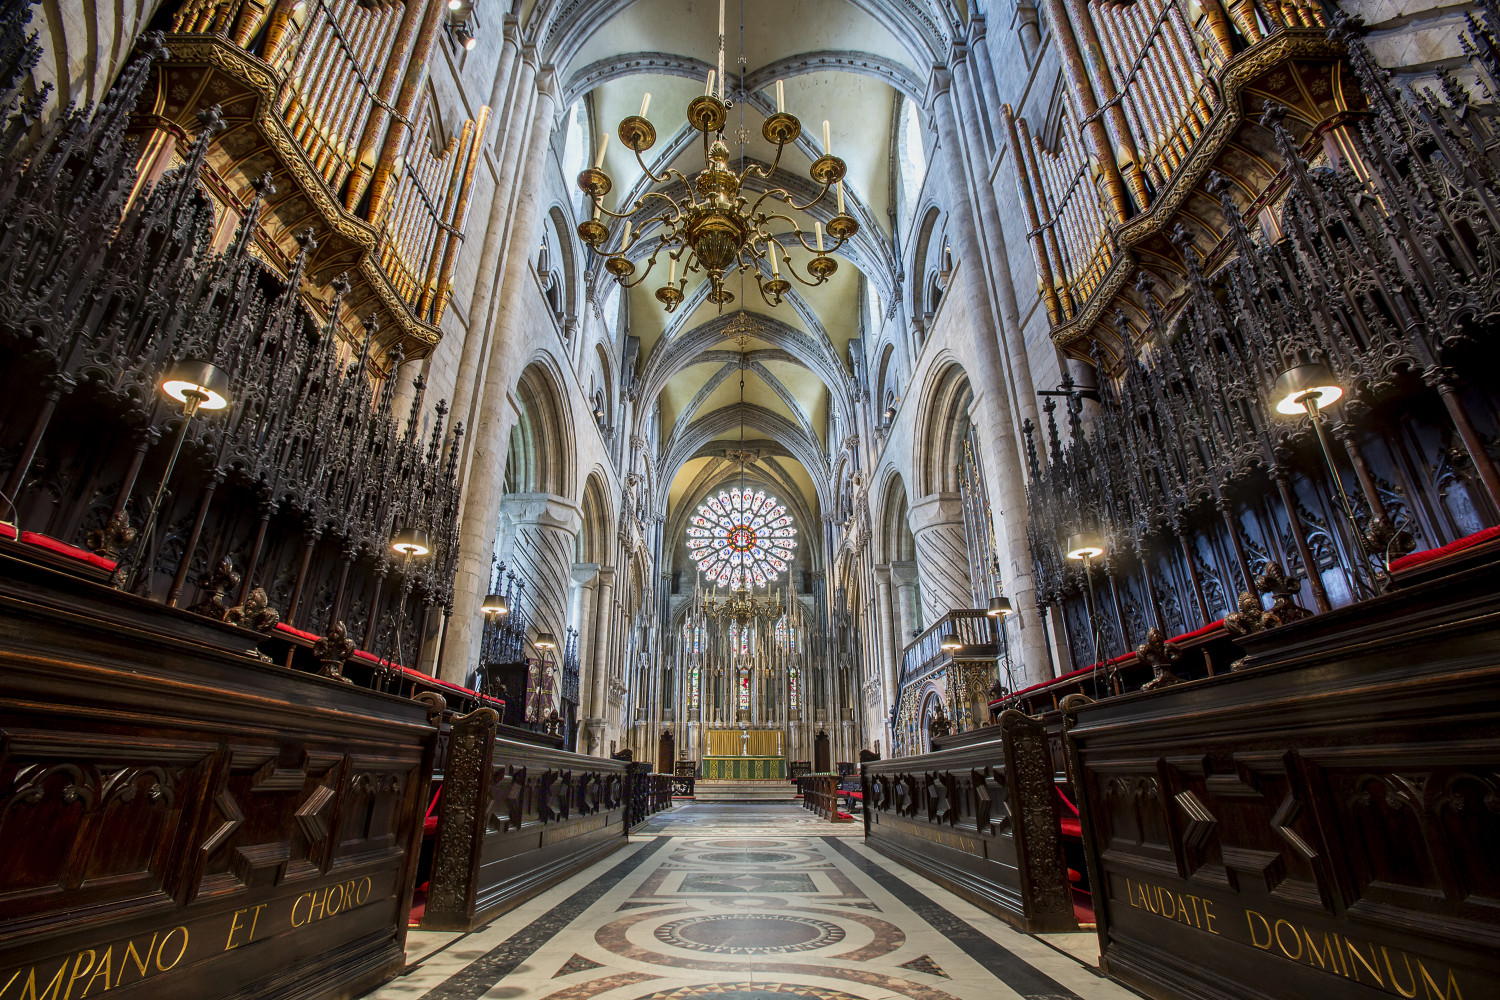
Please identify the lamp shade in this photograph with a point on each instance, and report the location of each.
(410, 542)
(950, 642)
(198, 384)
(1295, 386)
(1084, 545)
(545, 640)
(494, 604)
(1000, 607)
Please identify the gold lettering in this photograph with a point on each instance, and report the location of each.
(1250, 918)
(1197, 914)
(1371, 965)
(1329, 956)
(255, 919)
(180, 951)
(140, 961)
(234, 925)
(1450, 989)
(53, 988)
(1392, 972)
(1182, 910)
(13, 977)
(330, 907)
(1208, 916)
(317, 905)
(307, 896)
(1163, 897)
(362, 893)
(102, 968)
(1295, 939)
(77, 975)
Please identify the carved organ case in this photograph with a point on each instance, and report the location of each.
(328, 112)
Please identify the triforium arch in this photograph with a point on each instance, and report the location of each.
(542, 445)
(943, 425)
(596, 534)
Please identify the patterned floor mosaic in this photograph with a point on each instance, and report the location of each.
(752, 902)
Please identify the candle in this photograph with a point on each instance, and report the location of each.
(671, 270)
(710, 88)
(603, 148)
(841, 197)
(818, 226)
(721, 50)
(827, 143)
(645, 103)
(771, 252)
(780, 97)
(598, 207)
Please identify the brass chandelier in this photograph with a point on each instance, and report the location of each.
(713, 227)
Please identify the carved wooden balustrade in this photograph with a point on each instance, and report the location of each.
(182, 817)
(327, 100)
(960, 677)
(1319, 823)
(514, 819)
(1383, 269)
(295, 489)
(982, 821)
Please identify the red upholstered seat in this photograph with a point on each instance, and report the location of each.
(61, 548)
(1452, 548)
(1071, 828)
(1073, 875)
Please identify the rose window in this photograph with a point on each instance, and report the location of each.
(742, 539)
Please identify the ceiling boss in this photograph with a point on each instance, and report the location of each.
(711, 226)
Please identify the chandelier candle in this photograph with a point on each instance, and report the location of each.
(645, 103)
(780, 97)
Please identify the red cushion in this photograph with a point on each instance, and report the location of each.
(284, 627)
(1210, 627)
(61, 548)
(1071, 828)
(1073, 875)
(1467, 542)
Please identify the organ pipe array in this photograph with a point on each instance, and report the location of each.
(329, 98)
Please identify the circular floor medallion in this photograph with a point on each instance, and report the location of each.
(747, 858)
(749, 934)
(750, 991)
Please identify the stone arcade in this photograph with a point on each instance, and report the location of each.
(835, 499)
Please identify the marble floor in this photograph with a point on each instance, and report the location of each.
(748, 902)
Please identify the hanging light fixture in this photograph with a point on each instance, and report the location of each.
(494, 604)
(712, 227)
(545, 641)
(1000, 607)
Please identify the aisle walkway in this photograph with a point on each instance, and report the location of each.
(748, 902)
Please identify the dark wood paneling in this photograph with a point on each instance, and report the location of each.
(515, 819)
(981, 821)
(1321, 823)
(179, 817)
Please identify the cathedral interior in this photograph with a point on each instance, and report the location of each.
(660, 499)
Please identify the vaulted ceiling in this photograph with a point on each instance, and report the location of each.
(849, 64)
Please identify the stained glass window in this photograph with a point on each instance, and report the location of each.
(784, 637)
(794, 697)
(693, 691)
(744, 692)
(742, 539)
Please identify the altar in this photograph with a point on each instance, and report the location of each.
(744, 768)
(744, 754)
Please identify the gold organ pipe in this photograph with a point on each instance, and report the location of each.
(1082, 14)
(432, 254)
(276, 31)
(1180, 82)
(394, 70)
(1184, 56)
(1130, 97)
(1033, 224)
(1049, 234)
(416, 71)
(1242, 12)
(1148, 76)
(252, 16)
(1078, 80)
(460, 218)
(1218, 29)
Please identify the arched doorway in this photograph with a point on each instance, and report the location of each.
(822, 753)
(666, 752)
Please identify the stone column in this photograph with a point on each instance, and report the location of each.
(998, 439)
(604, 619)
(585, 589)
(885, 619)
(904, 583)
(490, 434)
(937, 524)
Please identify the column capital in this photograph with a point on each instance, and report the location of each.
(545, 510)
(585, 573)
(937, 509)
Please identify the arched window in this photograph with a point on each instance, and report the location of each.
(575, 143)
(911, 162)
